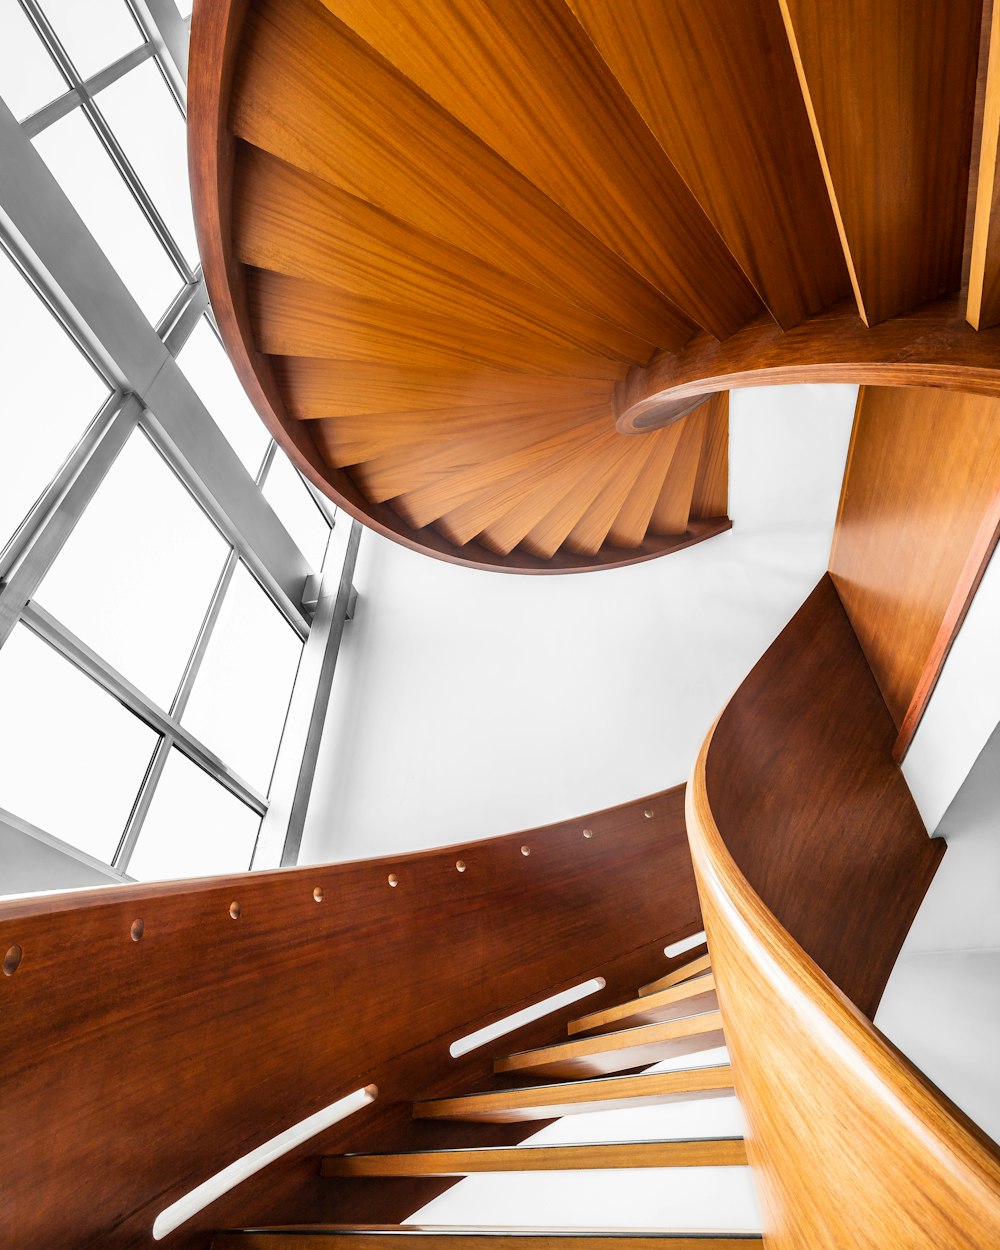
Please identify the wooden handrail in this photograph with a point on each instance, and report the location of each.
(851, 1145)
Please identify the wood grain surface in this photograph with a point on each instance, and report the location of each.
(692, 996)
(684, 972)
(374, 1237)
(918, 521)
(984, 261)
(147, 1066)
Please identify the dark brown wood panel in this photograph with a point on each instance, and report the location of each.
(529, 82)
(717, 84)
(890, 86)
(919, 519)
(934, 346)
(815, 812)
(456, 1238)
(146, 1066)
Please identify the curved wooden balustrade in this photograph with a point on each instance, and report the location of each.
(810, 863)
(141, 1060)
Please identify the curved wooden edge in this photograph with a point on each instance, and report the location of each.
(850, 1143)
(932, 346)
(215, 34)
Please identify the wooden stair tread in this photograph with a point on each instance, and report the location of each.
(589, 533)
(621, 1050)
(684, 973)
(672, 510)
(675, 1152)
(549, 1102)
(697, 994)
(303, 1236)
(630, 525)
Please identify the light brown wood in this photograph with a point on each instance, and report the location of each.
(718, 87)
(984, 267)
(934, 346)
(697, 1153)
(619, 1051)
(673, 508)
(626, 465)
(678, 975)
(690, 997)
(528, 81)
(631, 524)
(711, 486)
(548, 1102)
(895, 152)
(851, 1145)
(312, 93)
(919, 514)
(448, 1237)
(548, 534)
(294, 223)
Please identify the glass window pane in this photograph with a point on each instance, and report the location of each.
(289, 496)
(194, 828)
(136, 575)
(207, 366)
(50, 396)
(241, 695)
(28, 75)
(71, 758)
(148, 124)
(93, 32)
(76, 156)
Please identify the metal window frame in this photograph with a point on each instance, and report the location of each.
(44, 235)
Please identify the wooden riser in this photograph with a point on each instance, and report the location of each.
(620, 1051)
(375, 1237)
(702, 964)
(549, 1102)
(699, 1152)
(687, 999)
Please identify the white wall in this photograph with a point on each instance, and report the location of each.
(469, 704)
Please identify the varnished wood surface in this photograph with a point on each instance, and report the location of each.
(815, 812)
(918, 521)
(692, 968)
(147, 1066)
(690, 997)
(613, 1093)
(697, 1152)
(984, 263)
(890, 86)
(717, 85)
(849, 1143)
(933, 346)
(449, 1237)
(619, 1051)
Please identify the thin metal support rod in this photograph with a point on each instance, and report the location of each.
(178, 323)
(90, 663)
(140, 808)
(169, 33)
(50, 113)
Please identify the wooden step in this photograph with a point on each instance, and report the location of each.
(549, 1102)
(684, 973)
(686, 999)
(695, 1153)
(621, 1050)
(456, 1237)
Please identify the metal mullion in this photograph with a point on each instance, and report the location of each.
(142, 804)
(50, 113)
(193, 666)
(104, 132)
(74, 649)
(168, 32)
(12, 821)
(39, 549)
(180, 320)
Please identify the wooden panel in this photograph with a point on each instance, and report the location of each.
(222, 1032)
(673, 508)
(686, 999)
(677, 975)
(311, 92)
(291, 222)
(698, 1153)
(919, 517)
(548, 535)
(932, 347)
(527, 80)
(296, 317)
(717, 84)
(631, 524)
(626, 462)
(620, 1051)
(984, 267)
(895, 149)
(803, 753)
(449, 1237)
(849, 1143)
(615, 1093)
(711, 486)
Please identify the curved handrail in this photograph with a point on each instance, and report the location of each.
(851, 1145)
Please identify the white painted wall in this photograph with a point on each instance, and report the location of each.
(469, 704)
